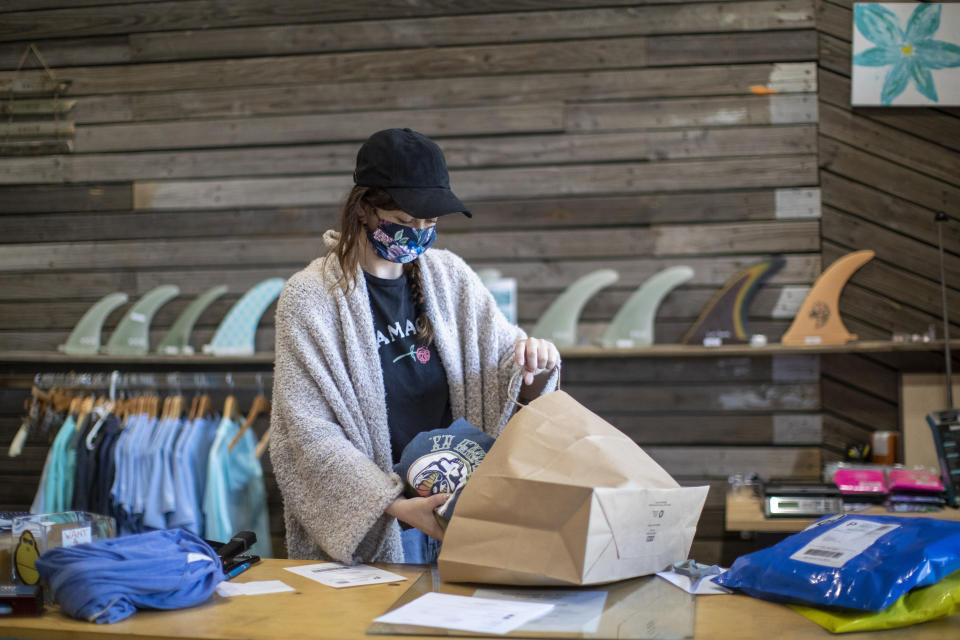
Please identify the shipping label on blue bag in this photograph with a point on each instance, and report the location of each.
(839, 545)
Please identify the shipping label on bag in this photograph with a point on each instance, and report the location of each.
(563, 497)
(839, 545)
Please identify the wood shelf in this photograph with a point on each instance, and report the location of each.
(198, 360)
(744, 512)
(655, 351)
(696, 351)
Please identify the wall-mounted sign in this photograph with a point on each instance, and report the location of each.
(906, 54)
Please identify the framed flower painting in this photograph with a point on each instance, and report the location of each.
(906, 54)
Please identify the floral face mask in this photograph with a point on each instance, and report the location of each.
(399, 243)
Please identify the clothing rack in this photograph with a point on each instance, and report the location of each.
(130, 445)
(143, 381)
(224, 386)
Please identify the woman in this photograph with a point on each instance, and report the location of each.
(378, 341)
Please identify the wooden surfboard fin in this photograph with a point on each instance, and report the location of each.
(726, 313)
(819, 321)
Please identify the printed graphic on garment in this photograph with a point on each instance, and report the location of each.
(422, 354)
(444, 468)
(394, 332)
(401, 331)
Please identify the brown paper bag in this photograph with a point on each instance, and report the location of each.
(564, 498)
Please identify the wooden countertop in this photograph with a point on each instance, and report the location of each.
(744, 512)
(316, 611)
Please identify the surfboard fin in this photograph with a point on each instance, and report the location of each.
(559, 322)
(819, 321)
(725, 315)
(177, 340)
(236, 333)
(132, 335)
(85, 337)
(632, 325)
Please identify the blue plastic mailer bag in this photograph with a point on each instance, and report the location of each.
(853, 561)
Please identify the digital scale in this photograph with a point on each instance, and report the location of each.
(798, 500)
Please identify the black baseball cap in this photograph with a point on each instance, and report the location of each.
(411, 168)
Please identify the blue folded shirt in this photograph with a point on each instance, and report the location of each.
(108, 580)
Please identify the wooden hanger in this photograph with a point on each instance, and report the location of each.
(260, 404)
(42, 396)
(138, 406)
(61, 399)
(192, 414)
(264, 441)
(86, 408)
(120, 409)
(176, 407)
(129, 405)
(203, 407)
(230, 407)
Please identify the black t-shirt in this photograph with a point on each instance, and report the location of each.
(418, 398)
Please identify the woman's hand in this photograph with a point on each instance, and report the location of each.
(418, 512)
(536, 356)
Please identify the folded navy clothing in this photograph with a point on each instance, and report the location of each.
(108, 580)
(441, 461)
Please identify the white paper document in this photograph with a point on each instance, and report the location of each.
(335, 574)
(481, 615)
(706, 587)
(573, 611)
(230, 589)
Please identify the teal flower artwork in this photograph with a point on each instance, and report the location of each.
(911, 53)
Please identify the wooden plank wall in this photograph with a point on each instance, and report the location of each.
(884, 173)
(214, 141)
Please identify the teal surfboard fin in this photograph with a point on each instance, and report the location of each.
(632, 325)
(559, 322)
(132, 335)
(177, 340)
(236, 333)
(85, 337)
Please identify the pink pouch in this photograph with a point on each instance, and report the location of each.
(860, 481)
(906, 480)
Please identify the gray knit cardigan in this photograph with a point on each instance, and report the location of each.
(330, 442)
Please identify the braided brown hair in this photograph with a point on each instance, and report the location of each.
(348, 250)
